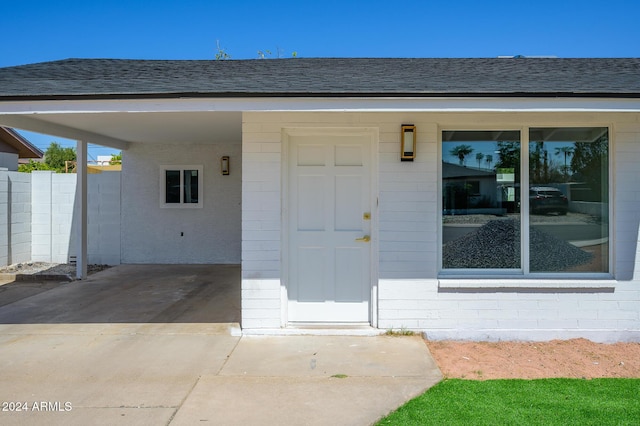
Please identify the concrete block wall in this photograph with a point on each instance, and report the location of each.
(409, 290)
(54, 217)
(63, 188)
(103, 218)
(19, 229)
(15, 217)
(4, 217)
(53, 196)
(41, 226)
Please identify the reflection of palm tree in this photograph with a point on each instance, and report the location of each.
(489, 160)
(461, 151)
(535, 162)
(479, 157)
(567, 151)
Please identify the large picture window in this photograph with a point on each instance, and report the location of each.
(557, 224)
(181, 186)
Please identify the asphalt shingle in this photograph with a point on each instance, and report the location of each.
(122, 78)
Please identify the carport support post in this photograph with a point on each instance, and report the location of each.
(81, 200)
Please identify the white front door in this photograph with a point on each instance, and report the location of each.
(329, 276)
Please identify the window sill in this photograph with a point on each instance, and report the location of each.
(503, 284)
(181, 206)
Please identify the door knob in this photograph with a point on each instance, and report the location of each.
(364, 239)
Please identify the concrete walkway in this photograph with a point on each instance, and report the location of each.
(75, 354)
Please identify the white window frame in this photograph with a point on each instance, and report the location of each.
(523, 277)
(181, 205)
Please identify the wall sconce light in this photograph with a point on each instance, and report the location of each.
(408, 142)
(224, 165)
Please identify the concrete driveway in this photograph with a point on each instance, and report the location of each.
(160, 344)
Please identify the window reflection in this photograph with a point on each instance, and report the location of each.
(481, 199)
(567, 192)
(172, 186)
(569, 199)
(190, 186)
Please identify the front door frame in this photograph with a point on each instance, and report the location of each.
(373, 134)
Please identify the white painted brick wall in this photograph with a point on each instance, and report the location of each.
(261, 227)
(261, 305)
(151, 234)
(408, 249)
(531, 315)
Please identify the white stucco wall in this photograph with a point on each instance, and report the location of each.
(410, 294)
(151, 234)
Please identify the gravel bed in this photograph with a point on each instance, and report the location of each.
(497, 245)
(534, 218)
(44, 268)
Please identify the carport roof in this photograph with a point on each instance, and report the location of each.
(323, 77)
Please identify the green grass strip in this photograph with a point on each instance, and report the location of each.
(524, 402)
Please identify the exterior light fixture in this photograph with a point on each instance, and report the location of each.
(224, 165)
(408, 142)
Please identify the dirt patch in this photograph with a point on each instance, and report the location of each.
(575, 358)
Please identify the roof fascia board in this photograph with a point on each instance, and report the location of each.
(29, 123)
(353, 104)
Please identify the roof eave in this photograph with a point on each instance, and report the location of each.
(25, 148)
(280, 95)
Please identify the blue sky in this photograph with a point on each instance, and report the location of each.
(37, 30)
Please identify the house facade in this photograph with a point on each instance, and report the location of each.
(293, 169)
(15, 149)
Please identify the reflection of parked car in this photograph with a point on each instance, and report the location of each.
(546, 199)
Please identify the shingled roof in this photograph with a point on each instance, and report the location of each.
(320, 77)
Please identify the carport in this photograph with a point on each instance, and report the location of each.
(180, 124)
(198, 297)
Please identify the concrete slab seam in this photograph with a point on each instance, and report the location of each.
(175, 412)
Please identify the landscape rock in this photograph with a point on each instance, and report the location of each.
(496, 245)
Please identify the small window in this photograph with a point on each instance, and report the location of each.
(181, 186)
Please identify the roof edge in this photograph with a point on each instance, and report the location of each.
(376, 95)
(25, 148)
